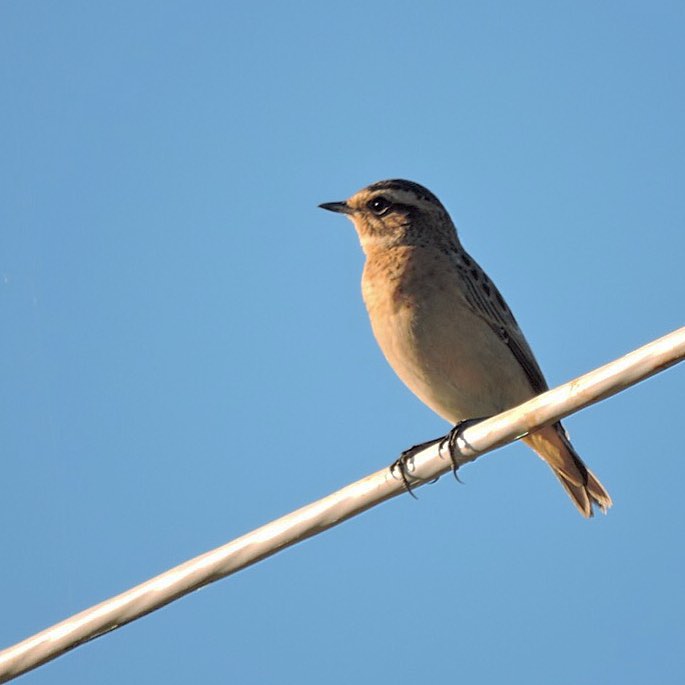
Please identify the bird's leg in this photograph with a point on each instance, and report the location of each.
(401, 463)
(451, 440)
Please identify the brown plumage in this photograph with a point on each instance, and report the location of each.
(445, 328)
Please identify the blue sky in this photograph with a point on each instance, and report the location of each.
(185, 354)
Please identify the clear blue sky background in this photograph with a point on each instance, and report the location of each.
(185, 354)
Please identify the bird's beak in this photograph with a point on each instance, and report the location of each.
(339, 207)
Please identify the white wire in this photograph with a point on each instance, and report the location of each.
(339, 506)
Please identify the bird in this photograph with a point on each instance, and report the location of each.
(445, 328)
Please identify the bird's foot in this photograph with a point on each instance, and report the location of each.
(401, 464)
(451, 441)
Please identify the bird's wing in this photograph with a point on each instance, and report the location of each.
(487, 302)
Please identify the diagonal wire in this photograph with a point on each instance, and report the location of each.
(339, 506)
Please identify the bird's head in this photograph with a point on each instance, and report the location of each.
(396, 212)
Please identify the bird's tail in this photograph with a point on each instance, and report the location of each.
(553, 445)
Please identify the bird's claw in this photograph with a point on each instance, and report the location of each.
(452, 438)
(401, 464)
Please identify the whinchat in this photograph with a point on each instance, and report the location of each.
(445, 328)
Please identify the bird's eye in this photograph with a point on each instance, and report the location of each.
(379, 205)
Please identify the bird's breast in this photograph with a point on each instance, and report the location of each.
(444, 352)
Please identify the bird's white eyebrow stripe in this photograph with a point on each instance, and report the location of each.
(411, 189)
(407, 198)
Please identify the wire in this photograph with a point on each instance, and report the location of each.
(317, 517)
